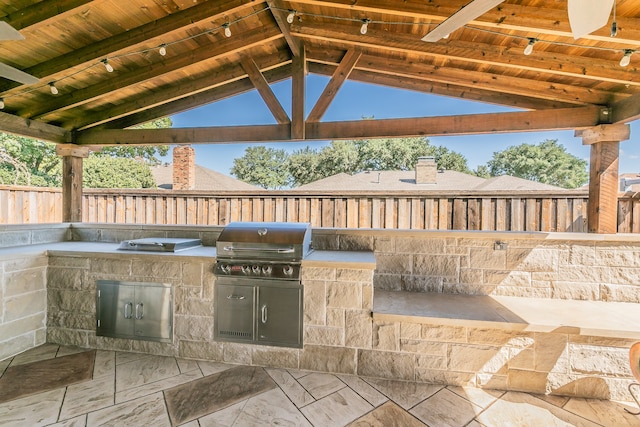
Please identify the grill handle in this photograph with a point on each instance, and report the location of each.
(276, 250)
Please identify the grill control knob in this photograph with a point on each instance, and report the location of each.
(287, 270)
(225, 268)
(266, 269)
(245, 268)
(255, 269)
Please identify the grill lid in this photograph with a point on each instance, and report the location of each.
(266, 240)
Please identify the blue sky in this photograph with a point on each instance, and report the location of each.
(356, 100)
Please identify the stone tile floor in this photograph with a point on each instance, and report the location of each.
(144, 390)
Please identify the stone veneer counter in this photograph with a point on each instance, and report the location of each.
(594, 318)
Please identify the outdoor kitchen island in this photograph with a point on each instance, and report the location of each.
(345, 330)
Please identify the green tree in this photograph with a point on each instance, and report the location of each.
(262, 166)
(146, 153)
(113, 172)
(482, 171)
(390, 153)
(26, 161)
(547, 162)
(304, 166)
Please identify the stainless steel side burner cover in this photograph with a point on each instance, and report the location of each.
(290, 241)
(159, 244)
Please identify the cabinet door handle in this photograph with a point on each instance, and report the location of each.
(139, 310)
(128, 305)
(234, 296)
(263, 312)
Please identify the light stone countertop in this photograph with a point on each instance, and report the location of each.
(595, 318)
(335, 259)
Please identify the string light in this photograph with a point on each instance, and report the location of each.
(107, 66)
(614, 24)
(1, 103)
(290, 16)
(365, 25)
(529, 48)
(626, 59)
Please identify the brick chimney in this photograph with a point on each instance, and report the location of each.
(426, 170)
(184, 167)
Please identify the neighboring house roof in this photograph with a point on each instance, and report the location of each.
(205, 179)
(392, 181)
(630, 182)
(508, 182)
(405, 180)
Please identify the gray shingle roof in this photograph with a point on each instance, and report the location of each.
(206, 179)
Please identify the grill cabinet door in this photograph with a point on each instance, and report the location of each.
(279, 315)
(234, 314)
(115, 309)
(152, 313)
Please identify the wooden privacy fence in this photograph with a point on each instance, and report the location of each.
(500, 211)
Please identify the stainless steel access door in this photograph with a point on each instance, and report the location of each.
(280, 314)
(137, 310)
(234, 310)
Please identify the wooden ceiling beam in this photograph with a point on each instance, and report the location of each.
(532, 21)
(10, 123)
(627, 110)
(472, 124)
(167, 94)
(454, 91)
(340, 75)
(226, 48)
(509, 56)
(179, 21)
(263, 88)
(278, 11)
(40, 14)
(200, 135)
(195, 100)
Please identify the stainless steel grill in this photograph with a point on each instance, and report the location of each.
(259, 293)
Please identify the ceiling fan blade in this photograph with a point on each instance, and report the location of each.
(8, 72)
(468, 13)
(586, 16)
(7, 32)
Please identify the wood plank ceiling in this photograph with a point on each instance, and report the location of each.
(564, 83)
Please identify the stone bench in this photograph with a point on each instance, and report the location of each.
(546, 346)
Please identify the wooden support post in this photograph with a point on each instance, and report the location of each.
(603, 175)
(72, 156)
(298, 76)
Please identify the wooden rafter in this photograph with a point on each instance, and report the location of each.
(264, 90)
(477, 53)
(40, 14)
(338, 78)
(108, 47)
(277, 9)
(30, 128)
(506, 17)
(626, 110)
(227, 48)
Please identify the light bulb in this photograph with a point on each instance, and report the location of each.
(529, 48)
(108, 66)
(446, 36)
(626, 59)
(290, 16)
(364, 27)
(162, 50)
(1, 103)
(53, 88)
(227, 30)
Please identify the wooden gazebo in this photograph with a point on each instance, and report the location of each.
(102, 66)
